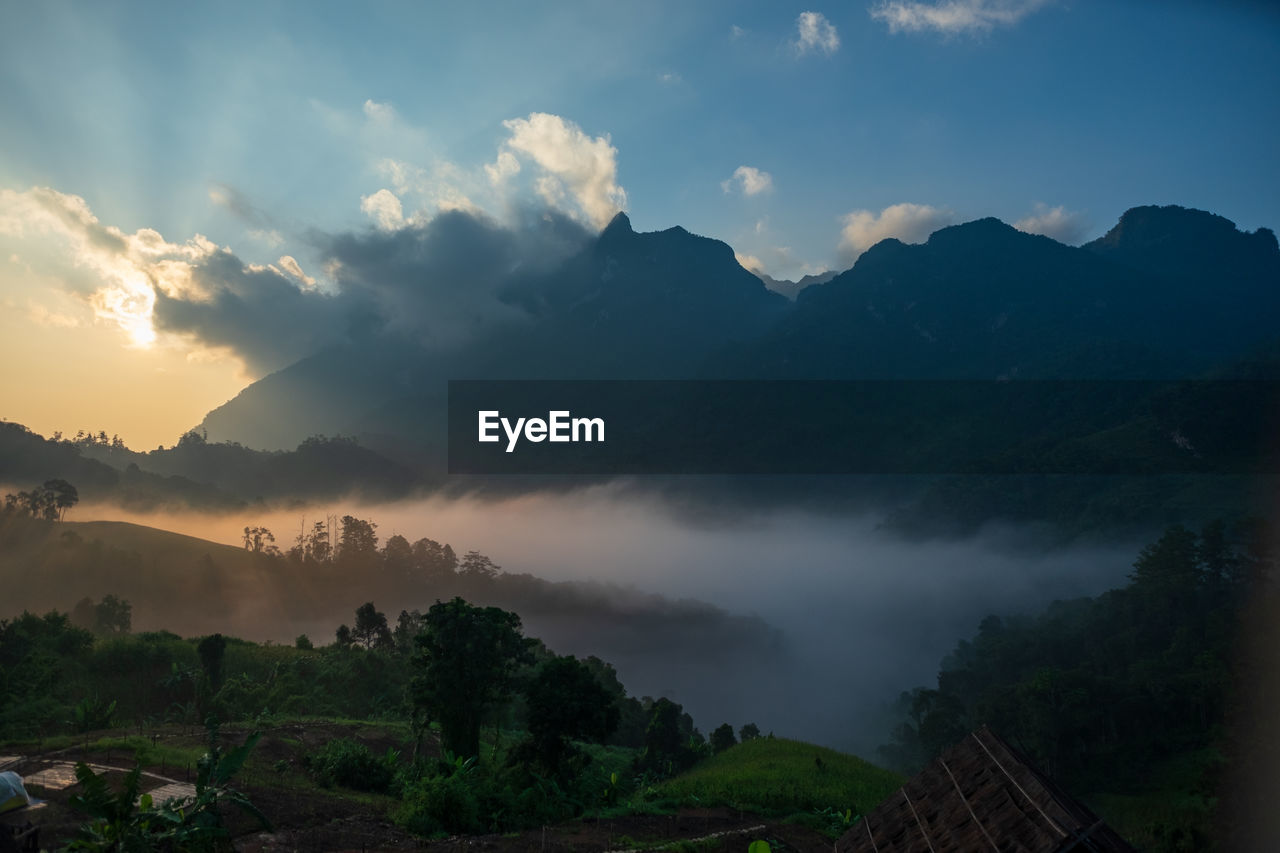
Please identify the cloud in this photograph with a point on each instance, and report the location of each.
(437, 189)
(232, 199)
(444, 281)
(749, 262)
(384, 208)
(573, 165)
(114, 272)
(954, 17)
(814, 33)
(736, 32)
(148, 286)
(750, 180)
(383, 113)
(267, 316)
(670, 78)
(271, 237)
(262, 227)
(436, 282)
(506, 166)
(289, 264)
(910, 223)
(1061, 224)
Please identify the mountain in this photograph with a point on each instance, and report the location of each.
(791, 289)
(984, 301)
(629, 305)
(1168, 292)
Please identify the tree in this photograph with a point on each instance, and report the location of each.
(82, 615)
(358, 544)
(468, 657)
(433, 560)
(313, 546)
(49, 502)
(343, 637)
(748, 732)
(212, 651)
(722, 738)
(408, 624)
(477, 565)
(64, 496)
(397, 557)
(666, 740)
(566, 701)
(371, 628)
(112, 616)
(260, 540)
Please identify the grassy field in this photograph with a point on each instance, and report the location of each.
(779, 776)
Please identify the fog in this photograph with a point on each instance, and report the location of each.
(865, 614)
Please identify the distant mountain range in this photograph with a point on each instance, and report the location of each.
(1167, 292)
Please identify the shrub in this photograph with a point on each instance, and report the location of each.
(351, 764)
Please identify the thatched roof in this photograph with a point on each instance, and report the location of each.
(981, 795)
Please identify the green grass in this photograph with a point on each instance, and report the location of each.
(779, 776)
(147, 753)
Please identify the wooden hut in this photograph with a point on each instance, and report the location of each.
(981, 795)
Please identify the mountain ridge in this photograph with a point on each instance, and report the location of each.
(979, 299)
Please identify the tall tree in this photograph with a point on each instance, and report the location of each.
(260, 540)
(63, 496)
(212, 651)
(397, 558)
(467, 657)
(358, 543)
(433, 560)
(477, 565)
(371, 628)
(566, 700)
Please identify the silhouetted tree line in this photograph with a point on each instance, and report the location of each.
(1097, 690)
(49, 502)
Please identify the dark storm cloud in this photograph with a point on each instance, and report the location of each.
(439, 283)
(267, 317)
(444, 282)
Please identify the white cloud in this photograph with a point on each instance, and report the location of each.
(1063, 225)
(815, 32)
(503, 168)
(910, 223)
(670, 78)
(573, 165)
(123, 270)
(750, 263)
(750, 180)
(736, 32)
(953, 17)
(290, 265)
(383, 113)
(384, 208)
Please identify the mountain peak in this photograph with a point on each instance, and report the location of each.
(986, 228)
(620, 224)
(1182, 240)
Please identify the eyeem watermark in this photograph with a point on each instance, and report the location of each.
(559, 426)
(803, 427)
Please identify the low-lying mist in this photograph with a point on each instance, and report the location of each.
(864, 614)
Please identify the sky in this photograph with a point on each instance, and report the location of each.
(159, 159)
